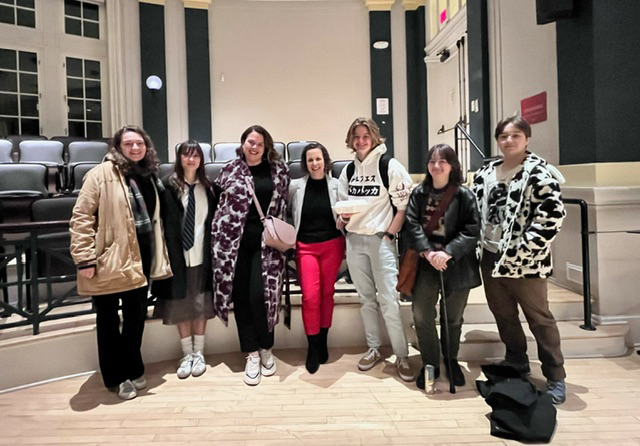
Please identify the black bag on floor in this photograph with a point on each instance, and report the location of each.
(519, 411)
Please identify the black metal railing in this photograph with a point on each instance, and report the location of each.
(31, 293)
(586, 266)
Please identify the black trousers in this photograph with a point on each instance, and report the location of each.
(119, 350)
(248, 294)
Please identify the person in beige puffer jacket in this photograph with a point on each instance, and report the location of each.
(117, 242)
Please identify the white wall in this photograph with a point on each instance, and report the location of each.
(443, 99)
(523, 63)
(300, 69)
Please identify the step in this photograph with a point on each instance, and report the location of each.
(72, 350)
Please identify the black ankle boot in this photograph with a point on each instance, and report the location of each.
(323, 350)
(312, 363)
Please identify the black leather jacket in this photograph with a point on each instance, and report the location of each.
(462, 231)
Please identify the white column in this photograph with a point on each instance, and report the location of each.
(176, 82)
(123, 31)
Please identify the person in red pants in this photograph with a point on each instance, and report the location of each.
(319, 248)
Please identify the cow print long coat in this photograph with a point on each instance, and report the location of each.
(227, 228)
(533, 217)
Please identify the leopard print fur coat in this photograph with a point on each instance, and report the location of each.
(533, 217)
(226, 232)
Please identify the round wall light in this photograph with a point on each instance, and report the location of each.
(381, 45)
(154, 83)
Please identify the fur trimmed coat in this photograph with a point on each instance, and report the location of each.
(533, 217)
(226, 232)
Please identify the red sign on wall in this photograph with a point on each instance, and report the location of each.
(534, 108)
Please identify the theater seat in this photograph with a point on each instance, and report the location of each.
(336, 168)
(212, 170)
(295, 170)
(294, 149)
(77, 175)
(5, 151)
(225, 151)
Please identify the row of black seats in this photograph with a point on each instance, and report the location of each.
(70, 149)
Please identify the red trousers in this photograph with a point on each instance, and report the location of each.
(318, 265)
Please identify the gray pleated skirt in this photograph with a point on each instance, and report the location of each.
(195, 306)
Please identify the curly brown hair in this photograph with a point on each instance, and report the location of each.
(148, 165)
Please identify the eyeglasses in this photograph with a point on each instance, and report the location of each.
(441, 162)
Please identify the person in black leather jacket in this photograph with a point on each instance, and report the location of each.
(443, 226)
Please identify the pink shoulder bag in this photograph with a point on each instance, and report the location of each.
(277, 233)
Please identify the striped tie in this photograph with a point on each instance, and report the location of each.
(189, 220)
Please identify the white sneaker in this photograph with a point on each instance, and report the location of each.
(126, 390)
(252, 370)
(139, 383)
(198, 366)
(185, 366)
(268, 362)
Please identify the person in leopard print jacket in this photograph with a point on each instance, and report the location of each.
(521, 212)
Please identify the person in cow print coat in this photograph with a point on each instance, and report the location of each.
(521, 209)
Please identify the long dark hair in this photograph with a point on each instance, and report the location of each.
(270, 153)
(187, 148)
(146, 166)
(447, 153)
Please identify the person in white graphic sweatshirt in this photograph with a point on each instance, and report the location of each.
(372, 253)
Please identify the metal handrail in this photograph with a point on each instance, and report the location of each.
(586, 268)
(459, 127)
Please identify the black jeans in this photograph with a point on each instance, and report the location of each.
(426, 293)
(119, 350)
(248, 294)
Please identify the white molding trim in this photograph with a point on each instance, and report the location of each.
(614, 320)
(379, 5)
(496, 101)
(412, 5)
(447, 37)
(197, 4)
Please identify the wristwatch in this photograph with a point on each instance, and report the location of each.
(391, 236)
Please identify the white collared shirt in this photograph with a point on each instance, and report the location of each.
(194, 256)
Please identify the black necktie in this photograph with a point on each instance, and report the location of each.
(189, 220)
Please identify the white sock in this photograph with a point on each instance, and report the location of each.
(187, 345)
(198, 343)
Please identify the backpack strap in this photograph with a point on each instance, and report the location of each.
(351, 168)
(383, 168)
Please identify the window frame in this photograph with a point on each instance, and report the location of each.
(85, 121)
(83, 20)
(19, 93)
(17, 8)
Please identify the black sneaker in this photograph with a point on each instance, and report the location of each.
(420, 381)
(456, 374)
